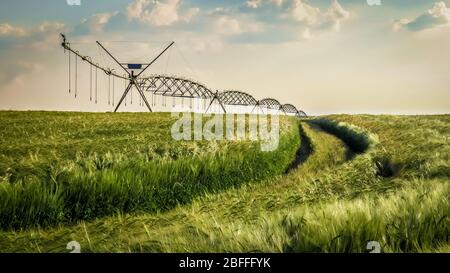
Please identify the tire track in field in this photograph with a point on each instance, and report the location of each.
(304, 152)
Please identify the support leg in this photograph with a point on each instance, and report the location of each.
(123, 96)
(259, 107)
(210, 105)
(223, 107)
(143, 96)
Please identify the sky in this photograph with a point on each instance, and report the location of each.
(324, 56)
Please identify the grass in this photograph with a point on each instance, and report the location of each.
(50, 189)
(365, 178)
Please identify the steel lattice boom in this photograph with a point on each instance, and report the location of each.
(172, 86)
(237, 98)
(289, 109)
(270, 103)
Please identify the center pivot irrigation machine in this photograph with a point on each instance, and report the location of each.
(168, 86)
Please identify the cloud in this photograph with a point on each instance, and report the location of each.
(298, 20)
(47, 27)
(136, 9)
(190, 14)
(159, 13)
(228, 25)
(10, 30)
(39, 37)
(337, 12)
(254, 4)
(437, 16)
(46, 36)
(100, 20)
(277, 2)
(163, 14)
(95, 24)
(26, 48)
(313, 18)
(398, 24)
(303, 12)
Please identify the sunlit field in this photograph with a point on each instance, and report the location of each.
(120, 183)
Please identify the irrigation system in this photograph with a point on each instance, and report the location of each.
(165, 87)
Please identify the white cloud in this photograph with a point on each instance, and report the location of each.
(10, 30)
(100, 20)
(27, 51)
(254, 4)
(437, 16)
(228, 25)
(40, 37)
(314, 18)
(190, 14)
(337, 12)
(440, 10)
(46, 36)
(159, 13)
(95, 24)
(163, 14)
(302, 12)
(136, 9)
(334, 16)
(46, 27)
(398, 24)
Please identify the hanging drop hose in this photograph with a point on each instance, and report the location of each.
(109, 89)
(96, 84)
(70, 72)
(125, 81)
(90, 83)
(76, 75)
(113, 89)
